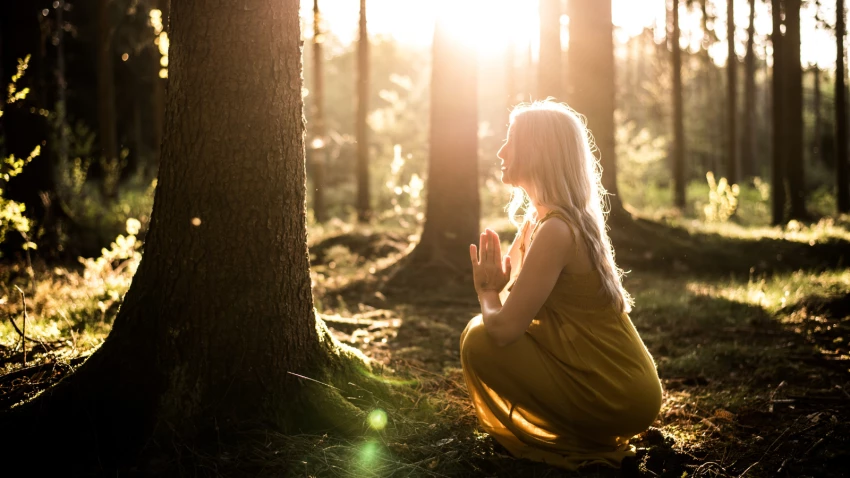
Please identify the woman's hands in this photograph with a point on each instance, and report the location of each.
(490, 272)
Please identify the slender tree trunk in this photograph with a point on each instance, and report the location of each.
(220, 308)
(549, 64)
(452, 213)
(842, 176)
(592, 81)
(778, 196)
(816, 143)
(61, 86)
(364, 210)
(106, 94)
(794, 100)
(678, 115)
(320, 140)
(748, 158)
(732, 167)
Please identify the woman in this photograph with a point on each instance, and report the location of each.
(558, 373)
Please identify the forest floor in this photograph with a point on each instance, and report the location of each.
(749, 328)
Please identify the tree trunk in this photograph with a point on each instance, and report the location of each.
(748, 158)
(549, 63)
(732, 166)
(453, 205)
(794, 103)
(592, 84)
(61, 85)
(816, 101)
(220, 308)
(364, 210)
(842, 176)
(778, 196)
(319, 143)
(679, 176)
(106, 94)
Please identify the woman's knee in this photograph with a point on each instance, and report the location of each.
(475, 343)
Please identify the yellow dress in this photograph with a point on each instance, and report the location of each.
(574, 388)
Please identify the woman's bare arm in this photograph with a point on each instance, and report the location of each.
(544, 262)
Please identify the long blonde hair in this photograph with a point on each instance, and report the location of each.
(553, 155)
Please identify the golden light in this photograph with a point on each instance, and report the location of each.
(488, 25)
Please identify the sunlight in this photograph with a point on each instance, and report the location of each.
(492, 25)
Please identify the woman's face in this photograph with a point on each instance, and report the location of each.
(506, 155)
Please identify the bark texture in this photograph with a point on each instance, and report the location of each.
(591, 66)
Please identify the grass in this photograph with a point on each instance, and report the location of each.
(749, 327)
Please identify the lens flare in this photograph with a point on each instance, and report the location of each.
(377, 419)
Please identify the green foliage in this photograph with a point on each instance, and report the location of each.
(722, 199)
(12, 216)
(99, 208)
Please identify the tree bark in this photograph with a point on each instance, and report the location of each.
(220, 308)
(732, 166)
(549, 63)
(106, 92)
(842, 176)
(778, 195)
(748, 158)
(816, 101)
(319, 144)
(364, 210)
(794, 101)
(452, 213)
(679, 176)
(592, 84)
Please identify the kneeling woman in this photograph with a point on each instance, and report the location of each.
(558, 372)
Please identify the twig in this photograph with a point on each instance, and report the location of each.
(30, 270)
(24, 331)
(314, 380)
(18, 330)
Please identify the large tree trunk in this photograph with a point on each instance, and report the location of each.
(748, 158)
(778, 195)
(319, 144)
(220, 308)
(591, 67)
(549, 63)
(453, 205)
(794, 103)
(678, 165)
(731, 97)
(842, 176)
(364, 210)
(106, 94)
